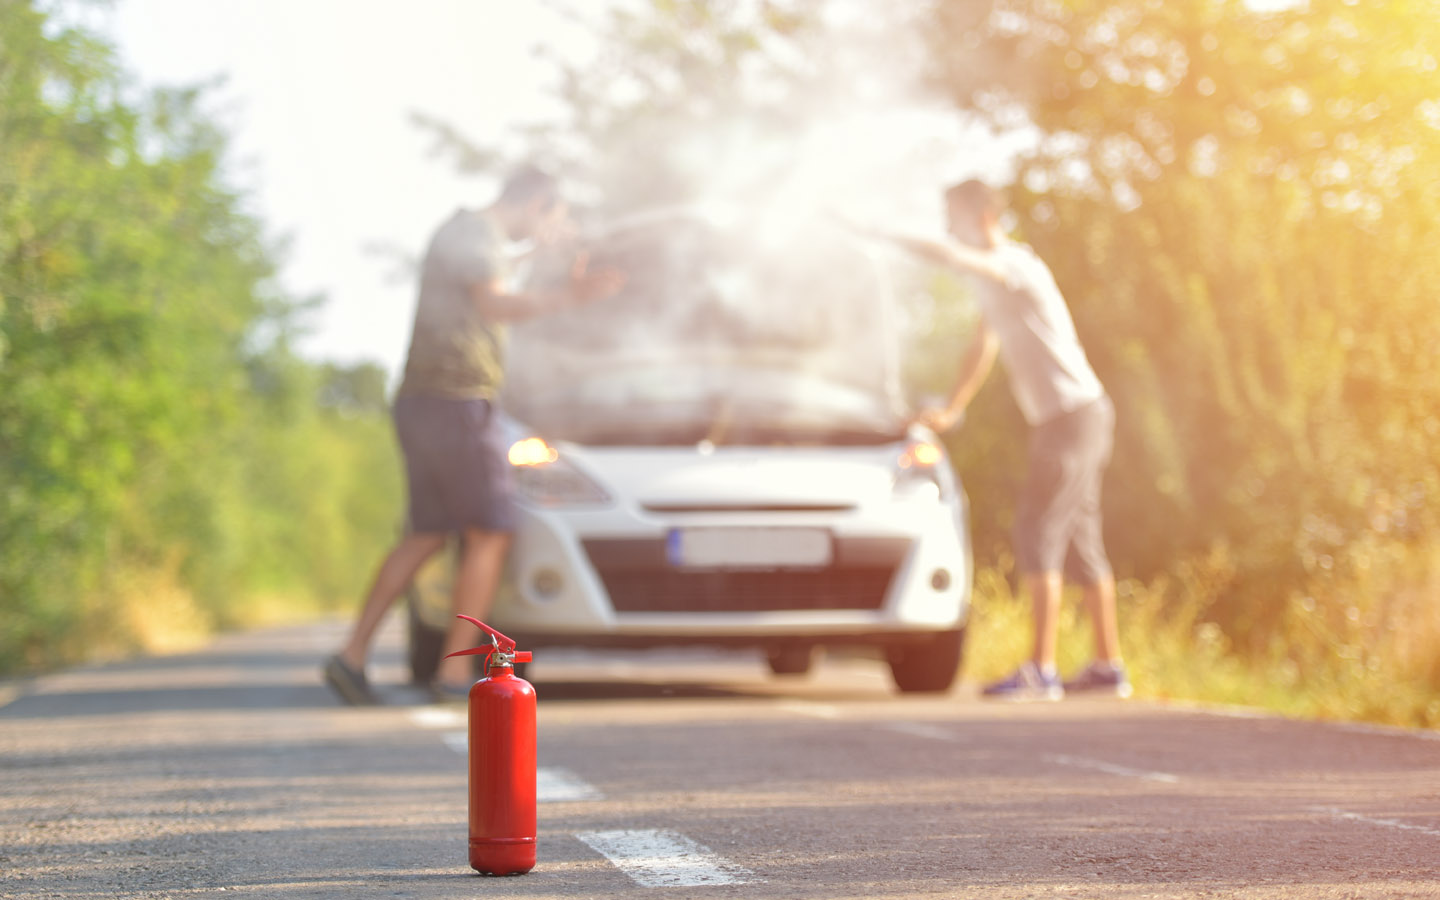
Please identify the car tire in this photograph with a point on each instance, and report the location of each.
(791, 660)
(928, 667)
(424, 642)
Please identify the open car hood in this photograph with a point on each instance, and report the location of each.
(731, 334)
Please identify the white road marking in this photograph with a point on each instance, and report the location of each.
(563, 786)
(654, 858)
(813, 710)
(439, 717)
(1385, 823)
(1110, 768)
(552, 785)
(1386, 730)
(920, 729)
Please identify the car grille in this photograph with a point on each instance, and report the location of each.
(638, 578)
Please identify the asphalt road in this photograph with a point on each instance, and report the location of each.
(235, 772)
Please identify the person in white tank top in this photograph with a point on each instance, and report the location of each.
(1026, 323)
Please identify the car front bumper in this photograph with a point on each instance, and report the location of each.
(601, 576)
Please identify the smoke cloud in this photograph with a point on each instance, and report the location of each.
(741, 272)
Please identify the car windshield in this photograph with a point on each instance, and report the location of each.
(730, 335)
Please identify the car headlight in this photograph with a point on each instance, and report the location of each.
(546, 479)
(917, 470)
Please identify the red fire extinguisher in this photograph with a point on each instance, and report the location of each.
(502, 760)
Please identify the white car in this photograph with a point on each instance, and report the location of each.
(717, 456)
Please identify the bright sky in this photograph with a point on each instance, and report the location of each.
(317, 100)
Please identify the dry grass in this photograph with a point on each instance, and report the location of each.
(1365, 651)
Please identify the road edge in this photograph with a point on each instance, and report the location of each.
(1235, 711)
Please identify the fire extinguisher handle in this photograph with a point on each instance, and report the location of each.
(504, 642)
(473, 651)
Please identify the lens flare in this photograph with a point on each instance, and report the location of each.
(922, 454)
(532, 452)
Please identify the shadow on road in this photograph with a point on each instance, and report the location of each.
(285, 674)
(252, 695)
(166, 699)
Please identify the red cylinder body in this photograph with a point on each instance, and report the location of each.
(502, 774)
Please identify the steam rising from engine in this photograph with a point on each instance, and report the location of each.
(746, 303)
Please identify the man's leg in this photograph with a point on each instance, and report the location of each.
(1040, 540)
(482, 560)
(1042, 533)
(1100, 602)
(395, 572)
(1106, 674)
(1089, 540)
(1036, 679)
(1045, 588)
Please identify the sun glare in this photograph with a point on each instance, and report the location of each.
(532, 452)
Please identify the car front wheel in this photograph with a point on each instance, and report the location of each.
(424, 641)
(930, 666)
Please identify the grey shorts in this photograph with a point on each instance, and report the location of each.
(456, 465)
(1058, 526)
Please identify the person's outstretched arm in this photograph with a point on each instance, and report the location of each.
(499, 305)
(975, 367)
(956, 257)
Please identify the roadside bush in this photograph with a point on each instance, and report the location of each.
(167, 465)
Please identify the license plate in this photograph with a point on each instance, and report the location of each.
(749, 548)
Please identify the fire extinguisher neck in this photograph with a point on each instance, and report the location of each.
(501, 655)
(506, 659)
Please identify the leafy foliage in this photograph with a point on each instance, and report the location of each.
(145, 435)
(1242, 209)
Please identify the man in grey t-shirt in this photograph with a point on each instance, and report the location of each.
(457, 475)
(1024, 320)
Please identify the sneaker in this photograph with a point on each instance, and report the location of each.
(1027, 683)
(347, 682)
(1101, 678)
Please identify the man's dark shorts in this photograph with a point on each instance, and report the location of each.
(455, 463)
(1058, 523)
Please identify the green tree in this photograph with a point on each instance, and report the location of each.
(139, 455)
(108, 316)
(1239, 205)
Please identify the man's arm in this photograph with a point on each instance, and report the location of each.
(958, 258)
(498, 305)
(975, 367)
